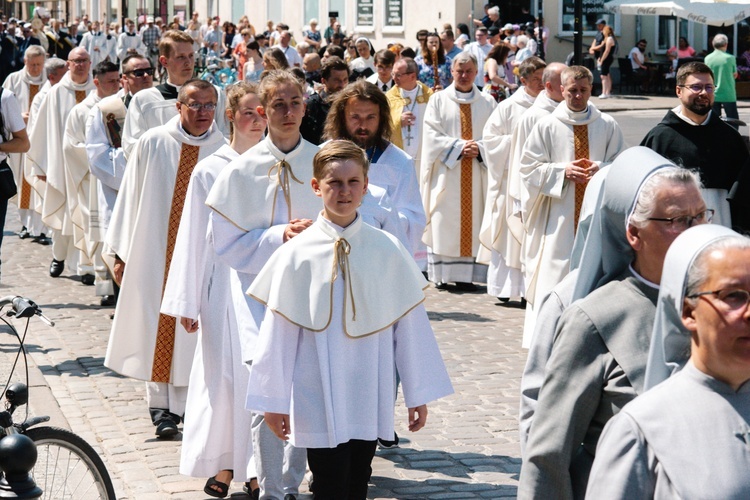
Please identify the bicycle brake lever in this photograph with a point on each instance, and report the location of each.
(44, 318)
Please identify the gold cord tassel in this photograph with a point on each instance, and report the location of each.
(341, 251)
(283, 172)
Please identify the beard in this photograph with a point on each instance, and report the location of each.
(699, 108)
(363, 141)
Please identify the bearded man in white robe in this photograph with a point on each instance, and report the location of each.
(156, 106)
(454, 177)
(498, 248)
(559, 157)
(25, 84)
(82, 202)
(49, 130)
(360, 113)
(143, 343)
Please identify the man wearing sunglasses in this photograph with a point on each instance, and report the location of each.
(694, 136)
(104, 145)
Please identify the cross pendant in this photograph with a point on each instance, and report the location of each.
(409, 137)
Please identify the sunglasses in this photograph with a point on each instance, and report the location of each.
(140, 73)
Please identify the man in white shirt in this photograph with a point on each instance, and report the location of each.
(479, 50)
(290, 52)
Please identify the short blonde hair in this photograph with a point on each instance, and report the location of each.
(338, 150)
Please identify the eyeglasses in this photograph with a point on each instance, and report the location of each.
(736, 299)
(140, 73)
(79, 61)
(196, 106)
(682, 222)
(697, 89)
(399, 75)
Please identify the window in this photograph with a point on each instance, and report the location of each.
(340, 7)
(666, 35)
(274, 11)
(311, 10)
(365, 17)
(593, 10)
(394, 14)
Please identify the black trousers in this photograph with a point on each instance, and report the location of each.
(342, 472)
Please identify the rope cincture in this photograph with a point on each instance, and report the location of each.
(283, 172)
(341, 249)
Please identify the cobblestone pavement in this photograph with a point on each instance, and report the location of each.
(469, 448)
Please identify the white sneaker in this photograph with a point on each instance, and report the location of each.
(603, 96)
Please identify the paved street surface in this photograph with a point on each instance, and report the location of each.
(469, 448)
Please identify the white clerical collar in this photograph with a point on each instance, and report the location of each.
(336, 227)
(279, 154)
(643, 280)
(178, 87)
(579, 115)
(410, 93)
(182, 129)
(678, 111)
(465, 95)
(34, 79)
(526, 97)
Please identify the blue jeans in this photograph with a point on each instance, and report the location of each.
(730, 109)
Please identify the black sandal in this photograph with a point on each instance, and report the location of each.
(253, 493)
(221, 492)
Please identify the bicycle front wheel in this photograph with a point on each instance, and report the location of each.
(67, 467)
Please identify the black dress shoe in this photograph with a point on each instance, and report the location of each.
(56, 268)
(42, 239)
(504, 300)
(88, 279)
(166, 429)
(107, 301)
(441, 285)
(23, 233)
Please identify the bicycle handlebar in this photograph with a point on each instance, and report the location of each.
(24, 308)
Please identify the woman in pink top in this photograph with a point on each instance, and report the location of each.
(684, 50)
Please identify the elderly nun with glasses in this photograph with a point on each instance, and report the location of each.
(688, 436)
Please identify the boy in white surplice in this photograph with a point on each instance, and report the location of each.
(344, 313)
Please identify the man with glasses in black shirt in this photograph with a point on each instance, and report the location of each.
(693, 136)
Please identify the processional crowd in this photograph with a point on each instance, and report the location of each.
(267, 245)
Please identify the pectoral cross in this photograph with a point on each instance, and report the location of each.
(408, 137)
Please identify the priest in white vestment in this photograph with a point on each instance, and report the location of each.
(104, 136)
(498, 248)
(129, 42)
(360, 113)
(454, 177)
(98, 44)
(49, 130)
(82, 194)
(259, 201)
(559, 157)
(144, 344)
(155, 106)
(25, 84)
(687, 437)
(544, 104)
(408, 100)
(35, 174)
